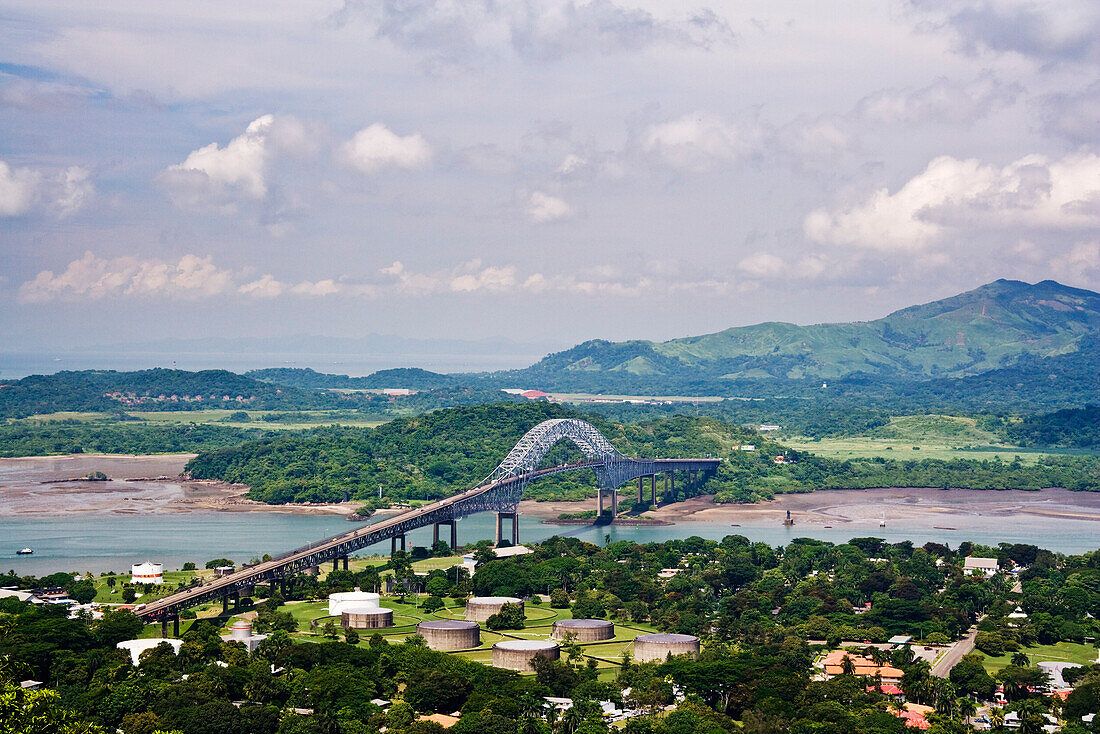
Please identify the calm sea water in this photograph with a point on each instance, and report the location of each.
(93, 526)
(109, 542)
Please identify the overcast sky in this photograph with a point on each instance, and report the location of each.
(551, 171)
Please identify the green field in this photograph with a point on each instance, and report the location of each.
(913, 437)
(312, 616)
(1062, 652)
(256, 418)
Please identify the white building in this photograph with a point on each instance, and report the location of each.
(470, 564)
(987, 566)
(147, 573)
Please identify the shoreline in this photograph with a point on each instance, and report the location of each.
(44, 486)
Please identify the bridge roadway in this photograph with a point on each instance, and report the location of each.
(493, 496)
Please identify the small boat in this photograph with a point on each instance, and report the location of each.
(24, 551)
(735, 525)
(882, 522)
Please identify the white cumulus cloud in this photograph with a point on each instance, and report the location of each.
(93, 277)
(376, 148)
(699, 142)
(61, 192)
(951, 194)
(221, 178)
(542, 208)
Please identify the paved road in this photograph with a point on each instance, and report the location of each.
(952, 657)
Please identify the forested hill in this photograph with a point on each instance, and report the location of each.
(156, 389)
(439, 453)
(987, 328)
(411, 378)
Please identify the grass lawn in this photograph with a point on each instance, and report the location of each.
(309, 418)
(910, 437)
(1062, 652)
(312, 616)
(105, 594)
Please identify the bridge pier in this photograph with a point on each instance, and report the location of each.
(336, 563)
(614, 494)
(397, 543)
(454, 532)
(164, 628)
(514, 516)
(225, 603)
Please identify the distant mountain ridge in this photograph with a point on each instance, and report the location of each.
(984, 329)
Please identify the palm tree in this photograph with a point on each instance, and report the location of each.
(996, 717)
(1020, 659)
(571, 719)
(945, 696)
(966, 707)
(847, 667)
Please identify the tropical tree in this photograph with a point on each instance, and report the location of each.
(1020, 659)
(967, 707)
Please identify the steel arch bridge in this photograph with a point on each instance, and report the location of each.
(500, 492)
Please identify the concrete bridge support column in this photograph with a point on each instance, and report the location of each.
(175, 625)
(641, 491)
(514, 517)
(454, 532)
(164, 628)
(653, 489)
(614, 495)
(397, 543)
(236, 603)
(225, 603)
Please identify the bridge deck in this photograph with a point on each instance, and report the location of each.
(337, 546)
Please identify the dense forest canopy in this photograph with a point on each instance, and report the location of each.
(444, 452)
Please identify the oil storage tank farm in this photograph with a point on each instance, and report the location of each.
(480, 608)
(517, 654)
(341, 600)
(585, 630)
(450, 634)
(366, 618)
(649, 648)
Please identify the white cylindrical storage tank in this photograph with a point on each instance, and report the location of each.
(517, 654)
(240, 630)
(342, 600)
(648, 648)
(366, 618)
(450, 634)
(480, 608)
(136, 647)
(586, 630)
(147, 573)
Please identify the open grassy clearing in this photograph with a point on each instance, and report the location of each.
(912, 437)
(1062, 652)
(312, 617)
(581, 397)
(298, 419)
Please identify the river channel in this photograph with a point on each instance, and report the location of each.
(83, 526)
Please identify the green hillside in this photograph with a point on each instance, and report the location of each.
(974, 332)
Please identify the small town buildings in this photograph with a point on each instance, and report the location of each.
(974, 564)
(834, 666)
